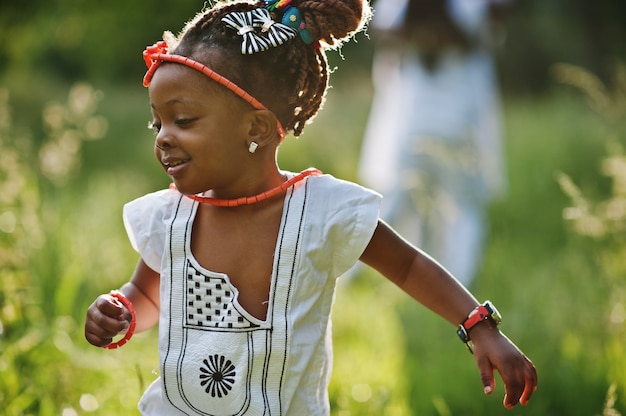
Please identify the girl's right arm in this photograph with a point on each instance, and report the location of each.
(106, 318)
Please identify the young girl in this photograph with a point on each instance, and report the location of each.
(239, 259)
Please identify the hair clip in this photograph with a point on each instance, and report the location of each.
(276, 4)
(244, 23)
(277, 33)
(272, 33)
(293, 19)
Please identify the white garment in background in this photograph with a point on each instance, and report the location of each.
(432, 145)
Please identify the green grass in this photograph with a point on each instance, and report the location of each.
(392, 356)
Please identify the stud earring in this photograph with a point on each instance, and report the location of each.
(252, 147)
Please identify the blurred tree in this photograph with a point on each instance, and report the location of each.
(581, 32)
(71, 39)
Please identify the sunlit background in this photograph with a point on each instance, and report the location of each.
(74, 149)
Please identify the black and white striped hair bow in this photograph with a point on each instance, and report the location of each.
(276, 33)
(272, 33)
(244, 23)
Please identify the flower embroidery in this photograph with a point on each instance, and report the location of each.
(217, 375)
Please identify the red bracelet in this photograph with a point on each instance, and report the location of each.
(133, 321)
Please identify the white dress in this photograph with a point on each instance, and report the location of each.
(216, 358)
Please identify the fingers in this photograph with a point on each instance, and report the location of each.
(531, 383)
(517, 372)
(485, 370)
(105, 319)
(520, 387)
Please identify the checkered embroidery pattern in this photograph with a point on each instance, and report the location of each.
(210, 303)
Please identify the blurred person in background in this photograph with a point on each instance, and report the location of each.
(432, 144)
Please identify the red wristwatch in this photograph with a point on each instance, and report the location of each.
(480, 313)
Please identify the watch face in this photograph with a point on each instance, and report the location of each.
(493, 312)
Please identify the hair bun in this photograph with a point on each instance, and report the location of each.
(334, 21)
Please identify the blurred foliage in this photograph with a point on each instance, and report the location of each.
(539, 33)
(71, 39)
(102, 42)
(603, 219)
(54, 249)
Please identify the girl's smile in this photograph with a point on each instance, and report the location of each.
(172, 165)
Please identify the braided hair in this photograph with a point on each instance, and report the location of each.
(291, 79)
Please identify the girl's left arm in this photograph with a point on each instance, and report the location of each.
(429, 283)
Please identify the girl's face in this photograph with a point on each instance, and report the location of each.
(201, 131)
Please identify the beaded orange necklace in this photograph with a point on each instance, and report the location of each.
(247, 200)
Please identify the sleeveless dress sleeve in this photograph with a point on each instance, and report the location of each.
(349, 219)
(145, 221)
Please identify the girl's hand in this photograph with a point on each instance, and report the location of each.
(494, 351)
(106, 318)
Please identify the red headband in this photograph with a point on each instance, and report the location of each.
(157, 53)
